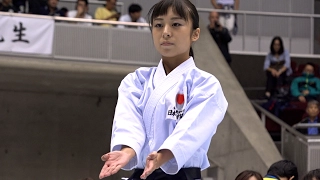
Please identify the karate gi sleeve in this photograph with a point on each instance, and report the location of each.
(204, 112)
(128, 128)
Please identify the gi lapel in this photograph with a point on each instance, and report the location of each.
(161, 89)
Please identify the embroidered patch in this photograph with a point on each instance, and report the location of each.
(178, 110)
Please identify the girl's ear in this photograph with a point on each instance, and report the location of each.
(195, 34)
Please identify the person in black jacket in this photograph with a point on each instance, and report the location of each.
(312, 111)
(220, 34)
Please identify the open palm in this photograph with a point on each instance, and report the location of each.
(114, 161)
(151, 165)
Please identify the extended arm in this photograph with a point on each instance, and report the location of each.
(204, 112)
(128, 134)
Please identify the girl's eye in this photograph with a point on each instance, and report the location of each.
(157, 25)
(176, 24)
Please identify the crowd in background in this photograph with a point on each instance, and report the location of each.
(51, 8)
(291, 86)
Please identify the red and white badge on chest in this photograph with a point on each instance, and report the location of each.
(176, 109)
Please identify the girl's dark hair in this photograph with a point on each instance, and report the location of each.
(281, 50)
(245, 175)
(312, 174)
(184, 8)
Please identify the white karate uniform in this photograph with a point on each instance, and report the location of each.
(179, 111)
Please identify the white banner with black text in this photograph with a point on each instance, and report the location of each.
(26, 35)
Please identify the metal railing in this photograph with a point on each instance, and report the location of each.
(105, 44)
(303, 150)
(245, 13)
(289, 16)
(244, 34)
(306, 125)
(244, 45)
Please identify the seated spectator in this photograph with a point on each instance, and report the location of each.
(220, 34)
(307, 86)
(312, 175)
(133, 16)
(7, 6)
(249, 175)
(81, 12)
(277, 65)
(282, 170)
(51, 8)
(312, 111)
(108, 12)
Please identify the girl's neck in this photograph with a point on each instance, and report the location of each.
(170, 63)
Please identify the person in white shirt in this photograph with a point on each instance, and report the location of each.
(226, 19)
(81, 12)
(166, 115)
(133, 16)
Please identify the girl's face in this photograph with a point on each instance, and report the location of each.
(172, 35)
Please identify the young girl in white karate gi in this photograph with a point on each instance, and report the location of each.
(166, 115)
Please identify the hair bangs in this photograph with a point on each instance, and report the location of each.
(178, 7)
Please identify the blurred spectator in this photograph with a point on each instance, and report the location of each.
(220, 34)
(226, 19)
(108, 12)
(277, 66)
(312, 175)
(51, 8)
(133, 16)
(20, 4)
(81, 12)
(249, 175)
(7, 6)
(307, 86)
(282, 170)
(312, 111)
(35, 6)
(64, 12)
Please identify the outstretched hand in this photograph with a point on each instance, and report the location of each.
(151, 165)
(114, 161)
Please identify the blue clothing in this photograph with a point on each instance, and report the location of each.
(179, 112)
(285, 56)
(309, 130)
(313, 130)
